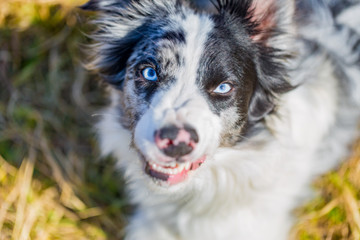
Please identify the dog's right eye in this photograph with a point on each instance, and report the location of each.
(149, 74)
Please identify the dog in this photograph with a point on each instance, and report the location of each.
(220, 119)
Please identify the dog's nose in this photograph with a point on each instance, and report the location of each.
(176, 142)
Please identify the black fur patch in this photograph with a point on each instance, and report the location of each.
(227, 59)
(175, 36)
(338, 6)
(252, 67)
(118, 51)
(231, 55)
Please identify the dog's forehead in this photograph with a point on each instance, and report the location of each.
(178, 42)
(174, 46)
(197, 29)
(194, 53)
(194, 44)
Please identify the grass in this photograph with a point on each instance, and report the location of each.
(52, 184)
(335, 213)
(46, 105)
(32, 210)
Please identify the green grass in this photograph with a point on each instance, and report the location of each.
(52, 182)
(47, 101)
(335, 213)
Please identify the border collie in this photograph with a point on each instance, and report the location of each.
(220, 119)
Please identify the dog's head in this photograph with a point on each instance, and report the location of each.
(190, 82)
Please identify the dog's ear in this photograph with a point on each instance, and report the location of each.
(272, 34)
(121, 25)
(264, 19)
(268, 23)
(272, 18)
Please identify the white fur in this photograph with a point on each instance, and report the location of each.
(351, 17)
(182, 103)
(243, 192)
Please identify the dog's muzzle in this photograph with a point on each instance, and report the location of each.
(176, 143)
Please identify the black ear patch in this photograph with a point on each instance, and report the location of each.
(271, 82)
(115, 57)
(261, 104)
(122, 25)
(111, 55)
(262, 21)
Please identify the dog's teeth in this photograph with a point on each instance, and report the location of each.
(171, 171)
(158, 168)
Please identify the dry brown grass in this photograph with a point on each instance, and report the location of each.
(335, 213)
(51, 184)
(30, 210)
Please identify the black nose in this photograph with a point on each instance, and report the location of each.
(176, 142)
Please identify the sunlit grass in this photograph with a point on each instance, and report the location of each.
(335, 213)
(23, 13)
(31, 210)
(47, 100)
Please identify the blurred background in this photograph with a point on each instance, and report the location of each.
(53, 184)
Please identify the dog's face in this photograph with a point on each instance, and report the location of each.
(188, 82)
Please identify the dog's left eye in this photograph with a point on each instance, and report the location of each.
(149, 74)
(223, 88)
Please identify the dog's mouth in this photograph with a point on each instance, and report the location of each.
(172, 174)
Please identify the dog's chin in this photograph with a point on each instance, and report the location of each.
(171, 174)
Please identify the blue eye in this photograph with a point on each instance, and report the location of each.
(223, 88)
(149, 74)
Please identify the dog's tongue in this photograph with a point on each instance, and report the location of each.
(173, 179)
(177, 178)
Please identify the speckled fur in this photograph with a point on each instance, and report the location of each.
(263, 151)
